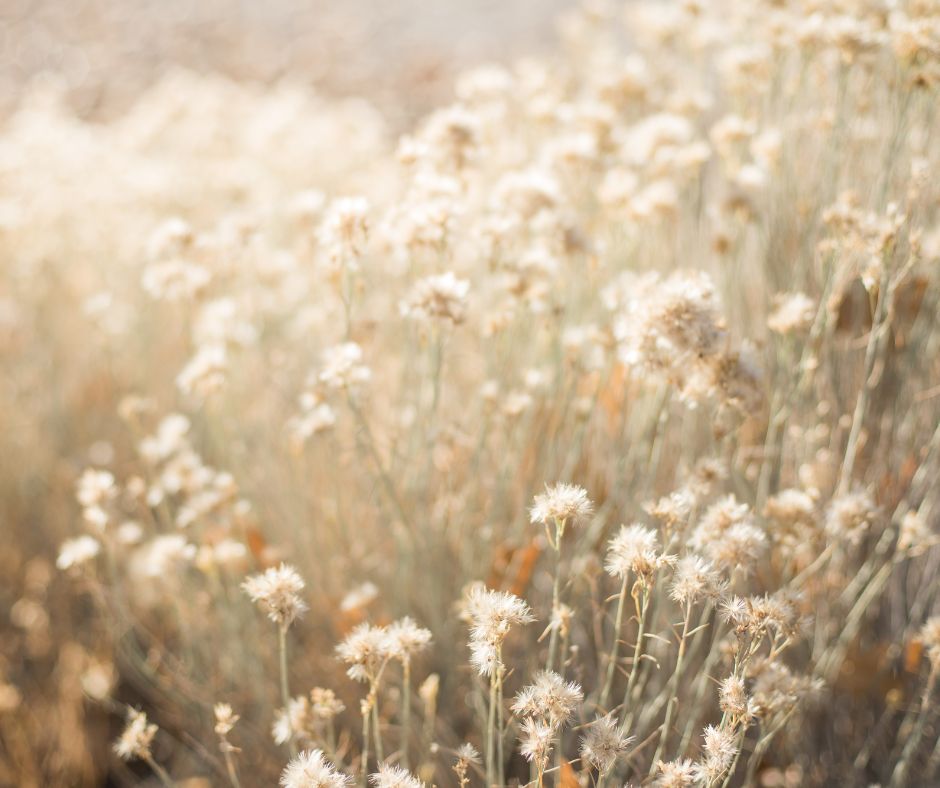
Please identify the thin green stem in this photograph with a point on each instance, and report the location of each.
(491, 734)
(230, 766)
(405, 710)
(161, 773)
(642, 609)
(364, 758)
(556, 600)
(376, 732)
(673, 689)
(615, 646)
(285, 692)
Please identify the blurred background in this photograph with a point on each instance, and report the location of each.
(402, 54)
(132, 70)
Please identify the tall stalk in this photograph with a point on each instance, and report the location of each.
(556, 597)
(364, 756)
(642, 608)
(673, 689)
(405, 709)
(615, 646)
(158, 770)
(491, 733)
(285, 692)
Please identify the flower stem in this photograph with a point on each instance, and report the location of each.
(285, 692)
(642, 609)
(500, 732)
(673, 689)
(491, 734)
(556, 598)
(161, 773)
(376, 733)
(615, 646)
(364, 762)
(230, 768)
(405, 710)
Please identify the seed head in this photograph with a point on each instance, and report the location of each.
(467, 753)
(492, 613)
(394, 777)
(850, 516)
(276, 591)
(310, 769)
(794, 314)
(603, 743)
(676, 774)
(343, 367)
(635, 549)
(137, 737)
(365, 650)
(407, 638)
(695, 577)
(441, 298)
(536, 741)
(718, 752)
(732, 698)
(549, 698)
(95, 487)
(324, 704)
(75, 552)
(290, 723)
(561, 503)
(225, 718)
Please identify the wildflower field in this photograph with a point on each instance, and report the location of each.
(567, 417)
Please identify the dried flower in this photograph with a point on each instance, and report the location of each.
(137, 737)
(694, 578)
(732, 698)
(603, 743)
(366, 649)
(548, 698)
(794, 313)
(394, 777)
(324, 704)
(292, 722)
(78, 551)
(491, 615)
(562, 503)
(359, 597)
(276, 591)
(676, 774)
(466, 754)
(95, 488)
(536, 741)
(225, 718)
(718, 752)
(407, 638)
(343, 367)
(851, 515)
(310, 769)
(635, 549)
(438, 298)
(914, 535)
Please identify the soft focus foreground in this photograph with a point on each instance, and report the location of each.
(585, 434)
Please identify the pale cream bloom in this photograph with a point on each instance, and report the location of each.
(394, 777)
(137, 737)
(311, 769)
(561, 503)
(277, 593)
(78, 551)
